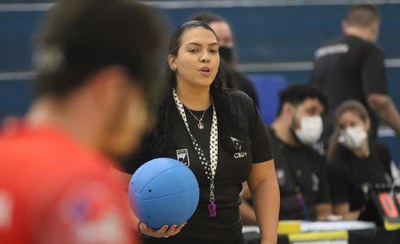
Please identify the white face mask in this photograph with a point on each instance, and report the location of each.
(352, 137)
(310, 129)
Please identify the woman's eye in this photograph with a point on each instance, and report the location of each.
(193, 50)
(214, 51)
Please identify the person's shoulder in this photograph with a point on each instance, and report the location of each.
(272, 134)
(379, 147)
(362, 44)
(339, 157)
(238, 96)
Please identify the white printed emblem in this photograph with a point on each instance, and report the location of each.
(182, 155)
(238, 147)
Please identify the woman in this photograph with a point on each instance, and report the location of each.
(222, 139)
(355, 163)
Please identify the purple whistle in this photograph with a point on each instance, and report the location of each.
(212, 209)
(300, 199)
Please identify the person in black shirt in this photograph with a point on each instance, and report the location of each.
(300, 169)
(219, 135)
(352, 67)
(233, 77)
(355, 162)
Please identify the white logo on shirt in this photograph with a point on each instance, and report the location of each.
(315, 184)
(238, 146)
(6, 207)
(182, 155)
(280, 174)
(332, 49)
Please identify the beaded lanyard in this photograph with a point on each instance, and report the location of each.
(210, 166)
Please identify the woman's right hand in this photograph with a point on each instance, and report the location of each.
(163, 232)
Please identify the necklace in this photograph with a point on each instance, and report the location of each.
(200, 125)
(210, 165)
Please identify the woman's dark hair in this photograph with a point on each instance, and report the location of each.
(352, 106)
(159, 139)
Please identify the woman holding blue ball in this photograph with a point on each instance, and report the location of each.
(219, 134)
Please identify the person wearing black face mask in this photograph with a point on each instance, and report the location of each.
(233, 78)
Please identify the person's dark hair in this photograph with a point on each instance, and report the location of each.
(227, 123)
(208, 17)
(298, 93)
(80, 37)
(352, 106)
(362, 14)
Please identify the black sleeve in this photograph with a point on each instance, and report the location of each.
(250, 120)
(324, 194)
(385, 157)
(374, 72)
(337, 183)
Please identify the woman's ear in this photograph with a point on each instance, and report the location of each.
(172, 62)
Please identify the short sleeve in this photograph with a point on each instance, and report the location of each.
(324, 194)
(261, 142)
(261, 146)
(374, 72)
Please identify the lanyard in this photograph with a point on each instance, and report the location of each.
(210, 166)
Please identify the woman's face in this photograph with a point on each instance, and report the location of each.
(351, 119)
(197, 61)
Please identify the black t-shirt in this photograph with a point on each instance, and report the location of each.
(233, 167)
(349, 68)
(349, 176)
(300, 167)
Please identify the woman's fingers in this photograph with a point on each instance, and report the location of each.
(164, 231)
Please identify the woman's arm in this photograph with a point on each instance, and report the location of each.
(264, 188)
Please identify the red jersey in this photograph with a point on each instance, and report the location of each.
(55, 190)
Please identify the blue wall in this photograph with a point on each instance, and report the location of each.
(264, 35)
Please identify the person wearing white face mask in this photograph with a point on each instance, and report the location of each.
(310, 129)
(355, 161)
(300, 169)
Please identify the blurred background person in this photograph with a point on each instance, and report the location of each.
(355, 161)
(96, 64)
(352, 67)
(300, 170)
(233, 78)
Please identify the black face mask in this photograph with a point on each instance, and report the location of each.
(226, 53)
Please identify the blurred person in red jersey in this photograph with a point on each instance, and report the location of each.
(96, 71)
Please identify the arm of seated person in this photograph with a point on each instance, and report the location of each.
(323, 211)
(343, 209)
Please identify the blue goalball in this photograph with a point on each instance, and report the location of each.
(163, 191)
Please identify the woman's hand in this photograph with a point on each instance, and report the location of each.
(163, 232)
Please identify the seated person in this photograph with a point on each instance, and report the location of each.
(354, 161)
(299, 168)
